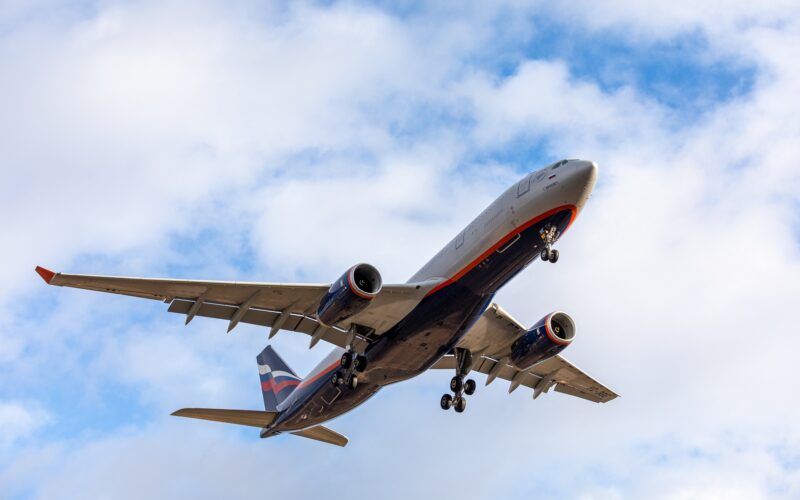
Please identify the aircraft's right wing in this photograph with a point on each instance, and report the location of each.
(489, 340)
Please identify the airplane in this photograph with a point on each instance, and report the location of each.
(442, 318)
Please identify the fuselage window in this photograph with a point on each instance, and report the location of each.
(524, 186)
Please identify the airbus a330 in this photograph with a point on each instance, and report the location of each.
(442, 318)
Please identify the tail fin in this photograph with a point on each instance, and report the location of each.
(277, 379)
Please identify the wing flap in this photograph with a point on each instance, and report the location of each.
(296, 322)
(323, 434)
(252, 418)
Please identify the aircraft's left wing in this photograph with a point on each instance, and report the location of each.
(489, 340)
(275, 305)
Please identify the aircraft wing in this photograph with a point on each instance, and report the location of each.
(276, 305)
(490, 339)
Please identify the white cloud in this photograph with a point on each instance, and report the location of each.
(292, 131)
(18, 420)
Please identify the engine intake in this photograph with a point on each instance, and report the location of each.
(350, 294)
(548, 337)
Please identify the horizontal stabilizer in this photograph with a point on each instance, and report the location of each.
(323, 434)
(241, 417)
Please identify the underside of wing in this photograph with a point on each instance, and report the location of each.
(490, 340)
(278, 306)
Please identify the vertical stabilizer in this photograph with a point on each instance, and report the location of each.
(277, 379)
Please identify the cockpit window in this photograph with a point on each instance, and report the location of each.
(558, 164)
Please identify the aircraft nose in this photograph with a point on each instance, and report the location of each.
(581, 181)
(586, 173)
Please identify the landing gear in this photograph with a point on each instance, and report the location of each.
(549, 235)
(459, 387)
(359, 363)
(469, 387)
(351, 362)
(456, 384)
(446, 402)
(341, 377)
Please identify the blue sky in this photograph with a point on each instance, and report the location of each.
(229, 140)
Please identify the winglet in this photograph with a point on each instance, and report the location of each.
(46, 274)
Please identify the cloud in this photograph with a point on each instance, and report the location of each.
(286, 142)
(18, 420)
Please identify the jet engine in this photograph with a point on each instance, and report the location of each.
(350, 294)
(551, 335)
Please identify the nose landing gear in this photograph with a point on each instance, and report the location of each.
(549, 254)
(549, 235)
(459, 387)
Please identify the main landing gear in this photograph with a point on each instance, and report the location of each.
(459, 387)
(351, 364)
(549, 235)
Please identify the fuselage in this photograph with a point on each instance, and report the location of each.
(491, 250)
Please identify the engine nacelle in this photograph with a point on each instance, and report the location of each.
(350, 294)
(543, 340)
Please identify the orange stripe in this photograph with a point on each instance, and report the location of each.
(550, 333)
(355, 288)
(268, 385)
(324, 372)
(573, 209)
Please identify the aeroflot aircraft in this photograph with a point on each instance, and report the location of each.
(443, 318)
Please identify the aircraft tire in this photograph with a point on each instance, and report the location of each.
(446, 402)
(353, 382)
(545, 255)
(456, 384)
(554, 256)
(469, 387)
(460, 405)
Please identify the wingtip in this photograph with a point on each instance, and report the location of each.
(46, 274)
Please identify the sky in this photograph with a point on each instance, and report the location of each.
(286, 141)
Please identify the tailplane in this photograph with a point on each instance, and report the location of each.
(277, 383)
(277, 379)
(323, 434)
(240, 417)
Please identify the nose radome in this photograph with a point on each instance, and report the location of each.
(587, 171)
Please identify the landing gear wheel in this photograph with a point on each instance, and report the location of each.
(446, 402)
(553, 256)
(460, 404)
(347, 360)
(469, 387)
(456, 384)
(545, 255)
(360, 363)
(337, 379)
(353, 382)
